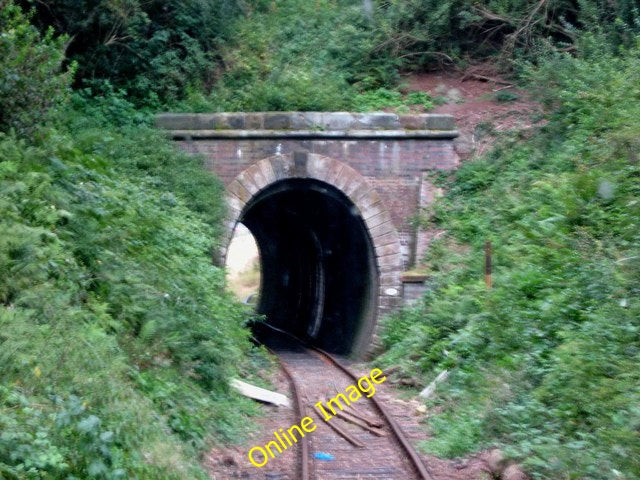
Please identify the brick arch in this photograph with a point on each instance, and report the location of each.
(382, 232)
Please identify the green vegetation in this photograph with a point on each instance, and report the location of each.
(156, 51)
(298, 55)
(545, 364)
(116, 335)
(308, 55)
(29, 83)
(383, 98)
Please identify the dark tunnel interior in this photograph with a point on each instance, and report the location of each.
(318, 271)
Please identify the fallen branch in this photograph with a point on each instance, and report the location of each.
(484, 78)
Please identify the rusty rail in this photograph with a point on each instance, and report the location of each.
(300, 410)
(420, 468)
(395, 428)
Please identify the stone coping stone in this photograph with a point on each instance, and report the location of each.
(311, 134)
(315, 122)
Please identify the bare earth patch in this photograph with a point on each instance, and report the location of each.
(476, 107)
(232, 462)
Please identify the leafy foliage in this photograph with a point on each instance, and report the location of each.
(116, 335)
(155, 50)
(109, 303)
(31, 78)
(545, 363)
(298, 55)
(428, 33)
(384, 98)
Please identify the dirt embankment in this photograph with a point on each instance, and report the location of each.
(482, 108)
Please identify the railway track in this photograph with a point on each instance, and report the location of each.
(362, 442)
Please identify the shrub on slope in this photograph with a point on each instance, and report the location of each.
(545, 363)
(116, 335)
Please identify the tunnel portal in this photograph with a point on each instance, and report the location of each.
(319, 276)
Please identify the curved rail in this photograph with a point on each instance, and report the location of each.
(304, 468)
(419, 466)
(395, 428)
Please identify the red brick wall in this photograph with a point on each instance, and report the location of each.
(393, 167)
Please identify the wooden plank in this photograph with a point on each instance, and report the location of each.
(261, 394)
(356, 421)
(354, 412)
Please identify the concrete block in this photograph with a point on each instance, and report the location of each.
(440, 122)
(253, 121)
(177, 121)
(338, 121)
(413, 122)
(378, 120)
(299, 121)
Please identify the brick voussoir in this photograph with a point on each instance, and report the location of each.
(247, 182)
(382, 229)
(240, 192)
(318, 167)
(373, 222)
(257, 177)
(388, 254)
(267, 170)
(386, 239)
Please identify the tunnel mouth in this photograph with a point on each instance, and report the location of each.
(319, 275)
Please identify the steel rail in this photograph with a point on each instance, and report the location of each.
(417, 462)
(304, 468)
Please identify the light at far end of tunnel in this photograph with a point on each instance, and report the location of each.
(243, 265)
(308, 233)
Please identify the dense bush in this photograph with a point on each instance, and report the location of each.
(156, 50)
(299, 55)
(117, 338)
(31, 78)
(545, 363)
(432, 33)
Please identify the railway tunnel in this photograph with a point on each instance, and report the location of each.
(330, 198)
(319, 278)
